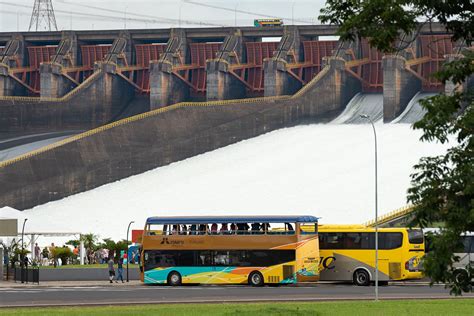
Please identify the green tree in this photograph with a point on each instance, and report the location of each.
(90, 244)
(113, 247)
(65, 253)
(73, 242)
(442, 187)
(110, 245)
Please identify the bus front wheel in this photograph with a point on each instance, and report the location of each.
(361, 278)
(174, 278)
(256, 279)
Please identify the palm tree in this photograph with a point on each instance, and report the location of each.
(89, 241)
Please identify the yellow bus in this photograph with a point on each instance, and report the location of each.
(267, 22)
(348, 254)
(253, 250)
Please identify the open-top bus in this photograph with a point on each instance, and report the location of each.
(348, 253)
(253, 250)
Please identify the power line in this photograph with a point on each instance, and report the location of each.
(154, 17)
(116, 18)
(244, 12)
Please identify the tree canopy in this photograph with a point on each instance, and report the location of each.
(442, 187)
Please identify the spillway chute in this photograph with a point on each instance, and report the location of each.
(361, 103)
(413, 112)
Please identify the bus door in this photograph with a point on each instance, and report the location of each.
(307, 254)
(416, 250)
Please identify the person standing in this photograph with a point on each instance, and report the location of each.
(37, 249)
(119, 270)
(111, 270)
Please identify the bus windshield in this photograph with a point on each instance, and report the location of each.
(415, 236)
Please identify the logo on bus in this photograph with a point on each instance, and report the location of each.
(171, 242)
(328, 262)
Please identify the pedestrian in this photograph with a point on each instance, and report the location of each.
(37, 253)
(45, 254)
(111, 270)
(119, 270)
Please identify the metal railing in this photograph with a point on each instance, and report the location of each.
(29, 274)
(401, 212)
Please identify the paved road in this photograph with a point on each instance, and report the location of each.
(129, 294)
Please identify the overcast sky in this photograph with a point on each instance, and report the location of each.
(103, 14)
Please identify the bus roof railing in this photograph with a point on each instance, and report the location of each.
(231, 219)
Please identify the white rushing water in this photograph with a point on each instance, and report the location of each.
(321, 170)
(413, 112)
(362, 104)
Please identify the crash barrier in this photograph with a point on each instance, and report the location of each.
(399, 213)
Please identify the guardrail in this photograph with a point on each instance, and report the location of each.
(399, 213)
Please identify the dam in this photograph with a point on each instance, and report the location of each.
(140, 99)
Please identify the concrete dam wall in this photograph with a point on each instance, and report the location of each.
(160, 137)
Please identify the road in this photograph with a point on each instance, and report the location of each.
(131, 294)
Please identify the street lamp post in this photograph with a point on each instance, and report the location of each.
(128, 259)
(293, 13)
(367, 117)
(22, 257)
(235, 13)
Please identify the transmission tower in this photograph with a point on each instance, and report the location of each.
(42, 18)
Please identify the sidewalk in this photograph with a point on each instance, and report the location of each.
(12, 284)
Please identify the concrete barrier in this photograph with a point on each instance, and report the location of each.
(83, 274)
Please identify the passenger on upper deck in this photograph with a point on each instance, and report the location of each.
(202, 229)
(255, 228)
(224, 230)
(214, 229)
(193, 229)
(233, 228)
(266, 227)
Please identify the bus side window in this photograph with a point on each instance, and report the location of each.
(352, 241)
(391, 240)
(205, 258)
(335, 241)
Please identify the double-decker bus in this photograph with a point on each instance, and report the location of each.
(348, 253)
(267, 22)
(253, 250)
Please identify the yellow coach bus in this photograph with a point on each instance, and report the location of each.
(348, 253)
(253, 250)
(267, 22)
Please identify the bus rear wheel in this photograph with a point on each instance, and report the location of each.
(361, 278)
(256, 279)
(174, 278)
(461, 276)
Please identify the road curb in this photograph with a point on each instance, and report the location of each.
(229, 301)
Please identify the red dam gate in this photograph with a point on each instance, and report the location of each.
(314, 52)
(435, 47)
(144, 54)
(200, 52)
(36, 56)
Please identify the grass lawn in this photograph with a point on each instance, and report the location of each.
(363, 308)
(87, 266)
